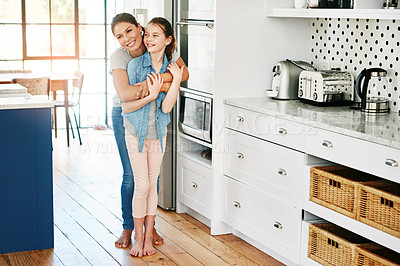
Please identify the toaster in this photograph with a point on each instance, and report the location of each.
(326, 87)
(285, 79)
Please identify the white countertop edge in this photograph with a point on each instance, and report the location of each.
(26, 106)
(256, 104)
(7, 103)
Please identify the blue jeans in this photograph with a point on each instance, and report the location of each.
(128, 183)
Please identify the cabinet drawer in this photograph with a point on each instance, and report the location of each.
(265, 219)
(194, 185)
(365, 156)
(271, 168)
(270, 128)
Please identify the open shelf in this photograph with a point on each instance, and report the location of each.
(334, 13)
(355, 226)
(195, 156)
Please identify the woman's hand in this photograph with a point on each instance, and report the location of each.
(154, 82)
(175, 71)
(143, 90)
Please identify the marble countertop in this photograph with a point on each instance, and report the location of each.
(382, 129)
(7, 103)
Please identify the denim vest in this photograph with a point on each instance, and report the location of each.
(137, 70)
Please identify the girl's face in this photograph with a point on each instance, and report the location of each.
(128, 35)
(154, 39)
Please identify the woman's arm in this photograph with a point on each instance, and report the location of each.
(172, 94)
(168, 77)
(125, 91)
(154, 84)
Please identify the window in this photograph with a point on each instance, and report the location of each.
(52, 36)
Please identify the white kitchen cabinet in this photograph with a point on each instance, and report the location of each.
(270, 168)
(363, 155)
(194, 185)
(271, 128)
(251, 159)
(363, 9)
(269, 220)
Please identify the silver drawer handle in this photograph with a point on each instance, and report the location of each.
(194, 185)
(392, 163)
(282, 131)
(327, 144)
(278, 225)
(282, 172)
(240, 155)
(240, 118)
(236, 204)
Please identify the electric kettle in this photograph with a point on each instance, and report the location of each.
(368, 82)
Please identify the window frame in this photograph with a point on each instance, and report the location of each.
(51, 57)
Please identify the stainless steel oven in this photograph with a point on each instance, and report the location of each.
(195, 115)
(196, 41)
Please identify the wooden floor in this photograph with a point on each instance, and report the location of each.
(87, 217)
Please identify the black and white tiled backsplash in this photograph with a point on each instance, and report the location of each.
(355, 44)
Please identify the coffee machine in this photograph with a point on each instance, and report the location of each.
(368, 82)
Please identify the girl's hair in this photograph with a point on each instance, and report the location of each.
(168, 31)
(123, 17)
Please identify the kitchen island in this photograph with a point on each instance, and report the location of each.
(26, 178)
(271, 146)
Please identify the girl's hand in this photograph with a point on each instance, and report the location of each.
(175, 70)
(154, 82)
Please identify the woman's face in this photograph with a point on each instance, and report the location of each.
(128, 35)
(154, 39)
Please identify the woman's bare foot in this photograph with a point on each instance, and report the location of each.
(137, 248)
(148, 248)
(157, 240)
(124, 239)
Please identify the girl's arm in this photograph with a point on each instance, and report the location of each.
(168, 77)
(154, 84)
(172, 94)
(125, 91)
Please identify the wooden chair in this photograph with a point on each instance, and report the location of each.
(35, 86)
(74, 101)
(15, 71)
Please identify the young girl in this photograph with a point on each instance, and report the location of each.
(146, 123)
(129, 35)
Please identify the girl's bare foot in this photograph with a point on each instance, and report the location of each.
(157, 240)
(124, 239)
(148, 248)
(137, 248)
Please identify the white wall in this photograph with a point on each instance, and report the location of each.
(248, 44)
(155, 8)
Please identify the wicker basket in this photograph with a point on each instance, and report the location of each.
(330, 244)
(334, 187)
(374, 254)
(379, 206)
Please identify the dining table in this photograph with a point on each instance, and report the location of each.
(58, 82)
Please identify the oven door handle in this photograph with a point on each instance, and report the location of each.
(209, 25)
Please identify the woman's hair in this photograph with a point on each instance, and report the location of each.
(168, 31)
(123, 17)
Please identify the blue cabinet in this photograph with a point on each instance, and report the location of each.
(26, 180)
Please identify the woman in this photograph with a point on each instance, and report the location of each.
(146, 122)
(129, 34)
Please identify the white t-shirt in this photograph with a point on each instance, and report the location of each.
(119, 59)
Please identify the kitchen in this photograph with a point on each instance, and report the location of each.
(268, 32)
